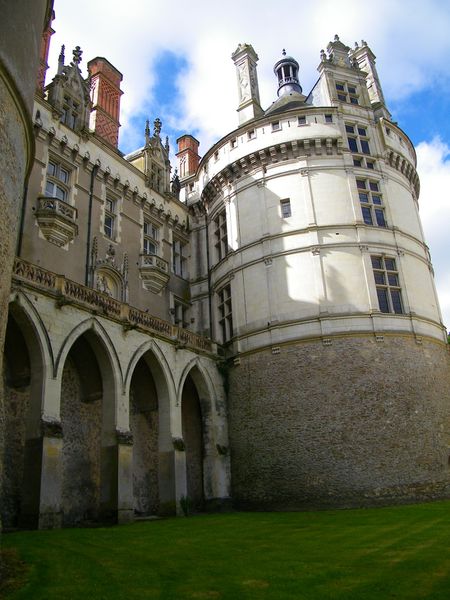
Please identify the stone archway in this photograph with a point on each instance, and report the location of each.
(153, 474)
(89, 449)
(193, 436)
(23, 375)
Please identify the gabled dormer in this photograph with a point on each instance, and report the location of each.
(68, 93)
(153, 159)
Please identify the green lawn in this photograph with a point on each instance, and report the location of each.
(382, 553)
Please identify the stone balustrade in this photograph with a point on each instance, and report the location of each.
(67, 291)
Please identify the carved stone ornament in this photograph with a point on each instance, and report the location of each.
(154, 272)
(56, 220)
(178, 444)
(51, 428)
(124, 437)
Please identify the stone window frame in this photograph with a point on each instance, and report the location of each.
(150, 237)
(347, 92)
(387, 283)
(71, 112)
(225, 313)
(371, 202)
(110, 216)
(220, 235)
(58, 179)
(276, 126)
(179, 312)
(358, 138)
(285, 208)
(179, 257)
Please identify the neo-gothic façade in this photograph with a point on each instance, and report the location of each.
(264, 328)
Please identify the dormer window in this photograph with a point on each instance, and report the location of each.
(71, 112)
(346, 92)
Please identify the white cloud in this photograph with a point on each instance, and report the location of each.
(410, 39)
(434, 170)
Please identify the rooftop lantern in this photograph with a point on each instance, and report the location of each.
(286, 70)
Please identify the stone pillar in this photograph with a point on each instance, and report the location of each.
(125, 511)
(21, 27)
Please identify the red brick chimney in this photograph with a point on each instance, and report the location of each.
(105, 96)
(43, 55)
(188, 157)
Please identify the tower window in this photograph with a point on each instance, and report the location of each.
(371, 202)
(347, 92)
(179, 258)
(109, 225)
(285, 208)
(233, 143)
(70, 112)
(276, 126)
(225, 313)
(387, 283)
(251, 135)
(220, 235)
(328, 118)
(151, 238)
(302, 120)
(358, 140)
(57, 183)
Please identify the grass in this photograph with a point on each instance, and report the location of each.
(383, 553)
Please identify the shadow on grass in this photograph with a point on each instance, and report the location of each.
(13, 572)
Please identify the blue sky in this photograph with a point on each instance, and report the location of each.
(175, 59)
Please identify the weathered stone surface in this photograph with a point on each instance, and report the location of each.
(352, 424)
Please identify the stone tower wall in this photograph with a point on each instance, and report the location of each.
(354, 423)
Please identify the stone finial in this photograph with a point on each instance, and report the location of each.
(77, 53)
(147, 132)
(166, 145)
(157, 124)
(336, 38)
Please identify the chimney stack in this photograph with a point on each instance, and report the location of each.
(43, 55)
(188, 157)
(105, 96)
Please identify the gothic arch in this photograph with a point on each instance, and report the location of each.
(202, 382)
(31, 323)
(161, 367)
(88, 326)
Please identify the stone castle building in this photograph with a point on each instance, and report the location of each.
(263, 327)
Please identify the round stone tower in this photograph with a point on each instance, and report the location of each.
(321, 291)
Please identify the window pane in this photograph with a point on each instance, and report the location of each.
(356, 162)
(353, 100)
(301, 120)
(351, 89)
(396, 301)
(340, 87)
(383, 300)
(373, 186)
(51, 168)
(365, 147)
(49, 187)
(285, 209)
(363, 197)
(109, 225)
(390, 264)
(379, 215)
(393, 279)
(376, 199)
(349, 129)
(352, 144)
(376, 262)
(362, 131)
(342, 97)
(370, 165)
(60, 193)
(366, 215)
(361, 184)
(328, 118)
(379, 277)
(63, 175)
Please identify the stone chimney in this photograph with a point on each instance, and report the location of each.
(43, 55)
(188, 157)
(245, 60)
(105, 96)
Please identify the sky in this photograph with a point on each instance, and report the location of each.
(175, 58)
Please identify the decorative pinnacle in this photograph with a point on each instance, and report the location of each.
(61, 54)
(147, 128)
(283, 52)
(157, 127)
(77, 52)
